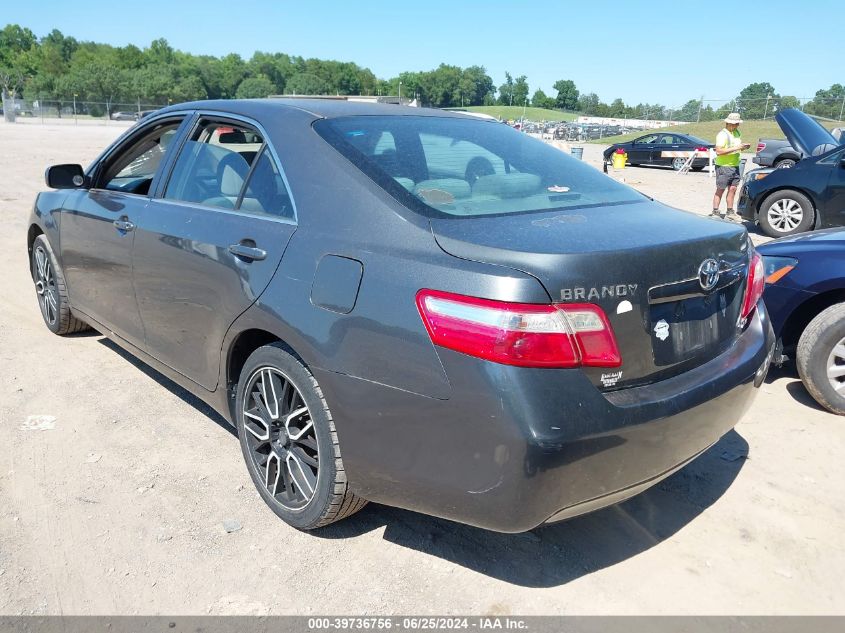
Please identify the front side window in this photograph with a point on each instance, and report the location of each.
(132, 170)
(448, 167)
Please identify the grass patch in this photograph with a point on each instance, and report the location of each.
(752, 131)
(531, 114)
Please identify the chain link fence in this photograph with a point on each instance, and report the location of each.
(73, 112)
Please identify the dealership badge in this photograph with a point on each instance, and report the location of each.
(661, 330)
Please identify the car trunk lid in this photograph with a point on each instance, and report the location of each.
(640, 262)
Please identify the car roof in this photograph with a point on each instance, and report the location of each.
(323, 108)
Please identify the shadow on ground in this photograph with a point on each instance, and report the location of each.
(171, 386)
(795, 388)
(556, 554)
(550, 555)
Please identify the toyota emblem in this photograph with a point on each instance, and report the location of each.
(708, 274)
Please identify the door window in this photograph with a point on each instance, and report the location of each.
(266, 193)
(132, 170)
(651, 138)
(214, 164)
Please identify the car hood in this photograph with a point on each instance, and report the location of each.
(805, 133)
(829, 239)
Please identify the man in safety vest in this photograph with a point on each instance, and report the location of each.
(728, 147)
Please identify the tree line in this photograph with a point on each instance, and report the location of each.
(59, 69)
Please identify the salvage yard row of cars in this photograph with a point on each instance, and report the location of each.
(414, 307)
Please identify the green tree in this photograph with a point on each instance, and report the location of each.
(828, 103)
(689, 111)
(542, 100)
(255, 88)
(305, 84)
(506, 90)
(520, 90)
(756, 100)
(567, 94)
(589, 103)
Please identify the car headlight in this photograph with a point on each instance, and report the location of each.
(776, 268)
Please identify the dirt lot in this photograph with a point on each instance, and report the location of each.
(118, 506)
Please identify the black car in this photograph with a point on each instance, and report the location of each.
(805, 295)
(657, 148)
(810, 195)
(408, 306)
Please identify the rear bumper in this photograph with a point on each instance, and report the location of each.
(763, 161)
(514, 448)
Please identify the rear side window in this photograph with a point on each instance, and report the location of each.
(453, 167)
(229, 167)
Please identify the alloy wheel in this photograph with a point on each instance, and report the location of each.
(785, 215)
(281, 438)
(836, 367)
(45, 286)
(678, 163)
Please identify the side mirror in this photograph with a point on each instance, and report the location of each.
(65, 177)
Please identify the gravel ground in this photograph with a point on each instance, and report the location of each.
(116, 503)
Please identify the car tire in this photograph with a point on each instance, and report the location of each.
(784, 163)
(786, 212)
(678, 163)
(699, 168)
(820, 358)
(289, 441)
(51, 290)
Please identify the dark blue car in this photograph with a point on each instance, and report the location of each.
(805, 295)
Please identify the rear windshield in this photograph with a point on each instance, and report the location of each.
(452, 167)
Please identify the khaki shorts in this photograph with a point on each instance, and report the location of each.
(727, 176)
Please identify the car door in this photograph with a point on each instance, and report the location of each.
(640, 151)
(97, 225)
(833, 197)
(209, 242)
(664, 143)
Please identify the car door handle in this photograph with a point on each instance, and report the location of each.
(247, 252)
(124, 225)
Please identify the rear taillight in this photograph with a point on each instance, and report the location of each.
(754, 285)
(760, 147)
(701, 149)
(522, 334)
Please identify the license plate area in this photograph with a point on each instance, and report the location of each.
(693, 327)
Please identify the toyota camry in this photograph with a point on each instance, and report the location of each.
(408, 306)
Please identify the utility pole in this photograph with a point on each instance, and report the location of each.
(842, 109)
(700, 106)
(766, 111)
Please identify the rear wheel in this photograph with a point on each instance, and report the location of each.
(786, 212)
(289, 441)
(820, 358)
(678, 163)
(51, 290)
(784, 163)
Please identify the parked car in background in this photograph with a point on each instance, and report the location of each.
(649, 148)
(810, 195)
(805, 295)
(776, 153)
(124, 116)
(409, 306)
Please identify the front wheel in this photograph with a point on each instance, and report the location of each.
(51, 290)
(820, 358)
(289, 441)
(785, 213)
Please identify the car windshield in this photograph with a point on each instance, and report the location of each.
(453, 167)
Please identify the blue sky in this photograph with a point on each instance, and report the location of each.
(657, 51)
